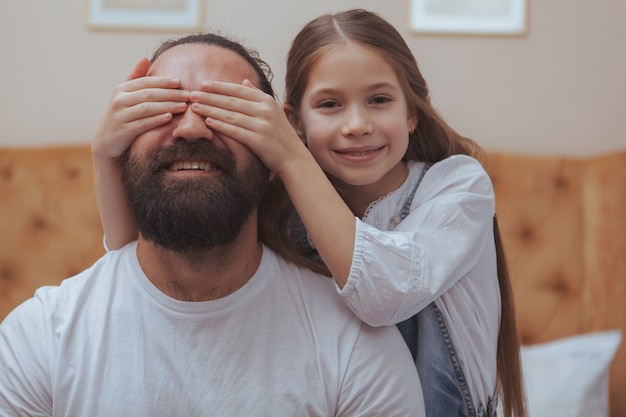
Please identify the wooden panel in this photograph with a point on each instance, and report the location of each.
(563, 222)
(48, 218)
(605, 259)
(539, 206)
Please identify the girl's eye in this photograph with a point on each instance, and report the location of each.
(381, 99)
(328, 104)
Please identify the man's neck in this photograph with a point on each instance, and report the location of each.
(204, 275)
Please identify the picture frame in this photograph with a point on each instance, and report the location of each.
(146, 15)
(469, 17)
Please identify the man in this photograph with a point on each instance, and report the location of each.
(197, 317)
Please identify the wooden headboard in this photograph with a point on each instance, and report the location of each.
(563, 222)
(48, 217)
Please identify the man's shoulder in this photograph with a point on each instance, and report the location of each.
(68, 293)
(314, 290)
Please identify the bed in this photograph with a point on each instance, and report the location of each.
(563, 222)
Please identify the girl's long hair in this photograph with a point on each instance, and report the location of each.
(433, 140)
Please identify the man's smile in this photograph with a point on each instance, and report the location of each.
(193, 165)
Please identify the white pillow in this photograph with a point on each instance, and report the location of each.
(569, 377)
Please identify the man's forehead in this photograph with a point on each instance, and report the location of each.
(196, 62)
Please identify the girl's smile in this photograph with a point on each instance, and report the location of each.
(360, 155)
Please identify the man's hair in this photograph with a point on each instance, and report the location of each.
(262, 69)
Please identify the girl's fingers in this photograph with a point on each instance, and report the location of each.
(235, 104)
(248, 115)
(230, 96)
(231, 131)
(148, 123)
(231, 89)
(240, 111)
(151, 109)
(149, 82)
(150, 95)
(236, 124)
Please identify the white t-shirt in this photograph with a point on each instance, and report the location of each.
(109, 343)
(443, 251)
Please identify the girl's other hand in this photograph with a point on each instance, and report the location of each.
(248, 115)
(139, 104)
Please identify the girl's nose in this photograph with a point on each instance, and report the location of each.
(191, 126)
(357, 122)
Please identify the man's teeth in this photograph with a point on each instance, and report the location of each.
(184, 165)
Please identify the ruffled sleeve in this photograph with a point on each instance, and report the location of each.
(395, 274)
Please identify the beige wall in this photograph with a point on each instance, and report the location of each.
(559, 90)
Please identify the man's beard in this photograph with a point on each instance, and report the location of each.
(197, 213)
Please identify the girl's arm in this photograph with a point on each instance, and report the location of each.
(139, 104)
(255, 119)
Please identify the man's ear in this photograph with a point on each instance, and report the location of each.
(294, 120)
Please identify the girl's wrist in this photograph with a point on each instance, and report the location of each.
(102, 154)
(300, 166)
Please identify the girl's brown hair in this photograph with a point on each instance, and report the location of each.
(433, 140)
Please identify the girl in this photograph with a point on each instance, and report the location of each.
(394, 204)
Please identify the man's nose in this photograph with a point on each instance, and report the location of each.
(191, 126)
(356, 122)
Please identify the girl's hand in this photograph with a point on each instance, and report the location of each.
(248, 115)
(139, 104)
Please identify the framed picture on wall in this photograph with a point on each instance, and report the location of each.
(158, 15)
(469, 17)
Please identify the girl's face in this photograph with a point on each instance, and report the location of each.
(354, 119)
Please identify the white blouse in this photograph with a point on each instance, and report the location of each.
(443, 251)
